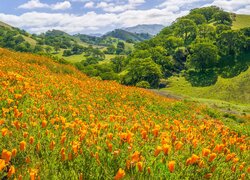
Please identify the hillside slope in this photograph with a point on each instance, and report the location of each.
(241, 21)
(151, 29)
(57, 123)
(234, 89)
(4, 24)
(128, 36)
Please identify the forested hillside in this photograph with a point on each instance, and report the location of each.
(202, 42)
(63, 46)
(151, 29)
(128, 36)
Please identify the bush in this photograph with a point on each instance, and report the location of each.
(163, 83)
(143, 84)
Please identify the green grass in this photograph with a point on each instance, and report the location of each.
(71, 59)
(129, 46)
(4, 24)
(242, 21)
(234, 90)
(30, 40)
(81, 57)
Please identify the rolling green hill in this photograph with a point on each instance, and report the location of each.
(128, 36)
(234, 89)
(5, 25)
(55, 42)
(241, 21)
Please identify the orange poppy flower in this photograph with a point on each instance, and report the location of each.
(242, 176)
(206, 152)
(136, 156)
(25, 134)
(52, 145)
(63, 154)
(4, 131)
(110, 146)
(166, 149)
(178, 145)
(32, 175)
(140, 166)
(63, 138)
(171, 166)
(155, 132)
(212, 157)
(81, 176)
(2, 164)
(13, 152)
(193, 160)
(144, 134)
(149, 170)
(22, 145)
(38, 147)
(158, 150)
(6, 155)
(248, 169)
(110, 136)
(75, 148)
(44, 123)
(11, 171)
(31, 140)
(228, 157)
(235, 160)
(120, 174)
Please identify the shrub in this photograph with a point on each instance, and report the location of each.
(143, 84)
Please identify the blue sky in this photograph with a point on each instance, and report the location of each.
(100, 16)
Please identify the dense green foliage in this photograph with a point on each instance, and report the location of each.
(113, 37)
(56, 39)
(198, 43)
(99, 41)
(13, 39)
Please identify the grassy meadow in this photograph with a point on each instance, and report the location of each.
(241, 21)
(235, 90)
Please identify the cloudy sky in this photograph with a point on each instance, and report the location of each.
(100, 16)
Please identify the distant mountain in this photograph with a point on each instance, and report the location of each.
(96, 35)
(152, 29)
(128, 36)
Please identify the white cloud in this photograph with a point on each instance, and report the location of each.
(244, 10)
(35, 4)
(179, 3)
(61, 5)
(32, 4)
(89, 5)
(113, 6)
(232, 5)
(37, 22)
(116, 15)
(78, 0)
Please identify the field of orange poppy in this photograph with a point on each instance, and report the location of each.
(57, 123)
